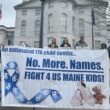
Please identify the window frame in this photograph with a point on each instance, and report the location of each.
(81, 26)
(37, 27)
(50, 22)
(24, 12)
(63, 22)
(23, 28)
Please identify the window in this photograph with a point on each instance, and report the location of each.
(81, 10)
(97, 30)
(63, 22)
(81, 26)
(49, 40)
(36, 44)
(23, 28)
(37, 27)
(50, 22)
(63, 4)
(97, 44)
(51, 4)
(37, 12)
(73, 24)
(10, 34)
(24, 12)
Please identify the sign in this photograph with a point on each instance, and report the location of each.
(55, 78)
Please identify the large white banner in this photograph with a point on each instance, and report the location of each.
(55, 78)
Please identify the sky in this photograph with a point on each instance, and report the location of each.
(8, 12)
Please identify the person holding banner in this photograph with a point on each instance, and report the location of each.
(57, 79)
(81, 44)
(103, 46)
(53, 44)
(65, 43)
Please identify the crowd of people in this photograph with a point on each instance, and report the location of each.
(80, 44)
(66, 43)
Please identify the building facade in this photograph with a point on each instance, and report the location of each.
(27, 27)
(62, 18)
(6, 35)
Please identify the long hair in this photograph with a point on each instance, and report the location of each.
(64, 42)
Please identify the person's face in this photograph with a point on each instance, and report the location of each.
(53, 40)
(65, 40)
(81, 38)
(103, 46)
